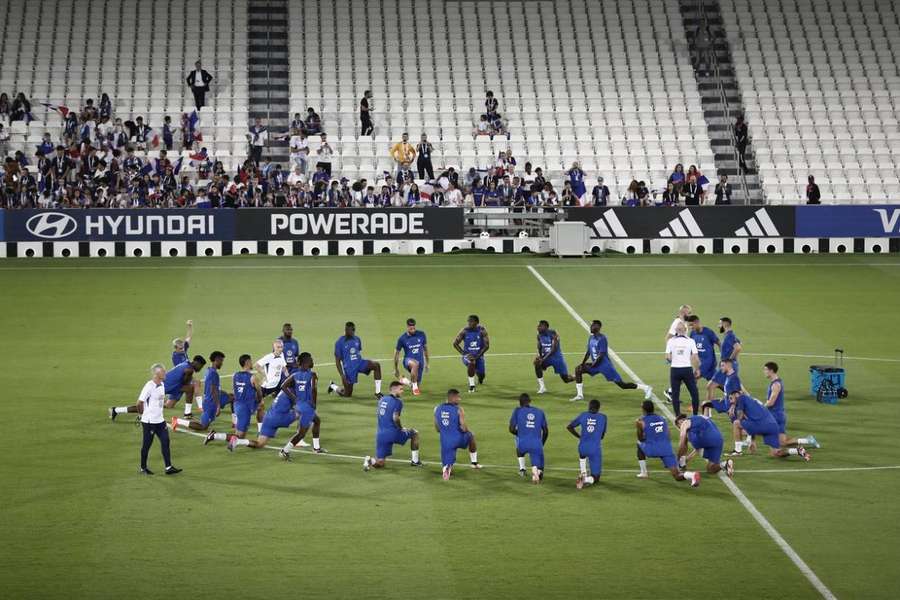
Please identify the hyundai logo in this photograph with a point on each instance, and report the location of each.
(51, 225)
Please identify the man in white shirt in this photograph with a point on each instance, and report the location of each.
(683, 312)
(153, 422)
(259, 138)
(325, 152)
(682, 355)
(271, 368)
(199, 81)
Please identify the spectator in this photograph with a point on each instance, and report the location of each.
(483, 127)
(576, 180)
(105, 106)
(600, 193)
(89, 111)
(325, 153)
(403, 153)
(704, 48)
(670, 195)
(21, 109)
(365, 114)
(506, 191)
(813, 195)
(632, 194)
(259, 139)
(677, 178)
(740, 141)
(497, 125)
(471, 177)
(453, 197)
(141, 136)
(5, 107)
(296, 176)
(491, 195)
(168, 133)
(199, 80)
(299, 150)
(506, 162)
(4, 140)
(643, 193)
(297, 122)
(313, 123)
(569, 199)
(491, 104)
(723, 191)
(692, 192)
(412, 196)
(423, 163)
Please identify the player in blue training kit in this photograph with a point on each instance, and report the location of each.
(176, 382)
(247, 401)
(775, 404)
(706, 439)
(350, 363)
(300, 387)
(414, 345)
(472, 342)
(549, 354)
(214, 398)
(282, 413)
(754, 418)
(529, 425)
(592, 425)
(290, 345)
(706, 340)
(390, 431)
(450, 423)
(731, 348)
(596, 362)
(180, 346)
(731, 382)
(654, 442)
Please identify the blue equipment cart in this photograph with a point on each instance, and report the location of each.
(827, 382)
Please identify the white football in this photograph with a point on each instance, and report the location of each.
(523, 234)
(485, 234)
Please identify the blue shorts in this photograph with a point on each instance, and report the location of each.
(385, 440)
(479, 364)
(210, 408)
(307, 414)
(712, 453)
(174, 393)
(353, 369)
(243, 413)
(781, 419)
(273, 421)
(664, 454)
(708, 372)
(595, 458)
(606, 369)
(767, 429)
(536, 453)
(558, 363)
(421, 366)
(450, 443)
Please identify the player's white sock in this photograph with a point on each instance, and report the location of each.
(582, 465)
(471, 381)
(198, 400)
(288, 447)
(220, 436)
(589, 480)
(377, 386)
(333, 387)
(541, 383)
(415, 455)
(682, 462)
(793, 451)
(258, 426)
(120, 410)
(579, 389)
(643, 465)
(688, 475)
(233, 419)
(737, 446)
(473, 457)
(183, 422)
(415, 386)
(187, 408)
(316, 444)
(801, 441)
(242, 442)
(521, 463)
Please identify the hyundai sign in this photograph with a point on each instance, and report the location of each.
(118, 225)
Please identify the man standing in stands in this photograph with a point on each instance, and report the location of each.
(199, 80)
(813, 195)
(403, 153)
(740, 141)
(258, 137)
(490, 104)
(424, 161)
(365, 115)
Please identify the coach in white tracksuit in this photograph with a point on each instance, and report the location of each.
(153, 421)
(682, 354)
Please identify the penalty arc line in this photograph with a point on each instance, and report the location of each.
(732, 487)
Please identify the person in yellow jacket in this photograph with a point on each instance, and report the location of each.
(403, 152)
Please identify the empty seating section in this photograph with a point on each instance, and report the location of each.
(606, 82)
(63, 51)
(820, 83)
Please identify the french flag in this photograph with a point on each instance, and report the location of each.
(177, 166)
(193, 124)
(62, 110)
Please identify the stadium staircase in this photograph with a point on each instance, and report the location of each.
(269, 71)
(721, 98)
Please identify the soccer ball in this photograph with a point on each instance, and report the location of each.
(485, 234)
(523, 234)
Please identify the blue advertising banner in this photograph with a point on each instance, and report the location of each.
(120, 225)
(848, 221)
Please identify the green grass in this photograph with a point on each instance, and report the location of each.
(77, 520)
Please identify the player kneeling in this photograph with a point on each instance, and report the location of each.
(590, 443)
(214, 398)
(654, 442)
(754, 418)
(391, 431)
(248, 396)
(529, 425)
(450, 423)
(706, 438)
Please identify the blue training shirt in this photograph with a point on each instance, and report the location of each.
(349, 349)
(545, 340)
(303, 385)
(597, 345)
(211, 379)
(180, 357)
(752, 409)
(244, 392)
(593, 428)
(778, 407)
(728, 342)
(704, 433)
(291, 349)
(413, 346)
(706, 341)
(656, 434)
(529, 423)
(446, 417)
(175, 377)
(387, 407)
(473, 340)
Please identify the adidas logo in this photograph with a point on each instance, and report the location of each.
(682, 225)
(608, 226)
(759, 225)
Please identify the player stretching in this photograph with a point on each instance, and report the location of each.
(214, 398)
(706, 438)
(754, 418)
(280, 414)
(654, 442)
(272, 369)
(596, 361)
(549, 354)
(301, 389)
(415, 355)
(180, 346)
(683, 311)
(178, 381)
(731, 347)
(350, 363)
(706, 340)
(775, 404)
(247, 400)
(450, 423)
(590, 443)
(290, 344)
(472, 342)
(529, 425)
(390, 431)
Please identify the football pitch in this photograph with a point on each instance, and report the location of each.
(79, 521)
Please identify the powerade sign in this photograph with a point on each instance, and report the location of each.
(68, 225)
(350, 224)
(686, 222)
(848, 221)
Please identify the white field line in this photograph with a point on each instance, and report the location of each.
(733, 488)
